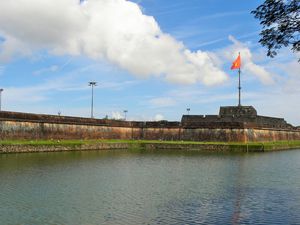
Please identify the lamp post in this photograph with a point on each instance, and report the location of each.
(188, 111)
(92, 84)
(125, 112)
(1, 99)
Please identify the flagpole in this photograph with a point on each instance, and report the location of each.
(240, 86)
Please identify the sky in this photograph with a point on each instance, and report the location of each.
(152, 58)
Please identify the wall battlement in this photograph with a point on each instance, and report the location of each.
(43, 118)
(229, 117)
(231, 125)
(239, 116)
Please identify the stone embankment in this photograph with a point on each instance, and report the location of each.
(26, 147)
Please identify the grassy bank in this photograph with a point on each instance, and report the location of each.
(281, 145)
(155, 144)
(85, 142)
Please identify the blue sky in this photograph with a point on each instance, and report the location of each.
(47, 58)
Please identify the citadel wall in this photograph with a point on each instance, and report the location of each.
(34, 126)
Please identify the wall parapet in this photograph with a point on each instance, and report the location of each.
(16, 125)
(43, 118)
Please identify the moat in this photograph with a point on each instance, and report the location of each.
(150, 187)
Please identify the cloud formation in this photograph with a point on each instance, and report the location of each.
(117, 115)
(158, 117)
(249, 66)
(113, 30)
(162, 102)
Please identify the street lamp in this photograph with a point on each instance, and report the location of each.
(188, 111)
(1, 98)
(125, 111)
(92, 84)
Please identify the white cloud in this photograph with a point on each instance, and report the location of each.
(41, 92)
(116, 30)
(291, 81)
(12, 47)
(278, 104)
(117, 115)
(52, 69)
(158, 117)
(249, 66)
(161, 102)
(24, 95)
(259, 71)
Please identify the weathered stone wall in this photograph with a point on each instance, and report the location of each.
(33, 130)
(32, 126)
(207, 134)
(41, 130)
(271, 135)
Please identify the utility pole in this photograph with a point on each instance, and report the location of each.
(1, 90)
(125, 112)
(188, 111)
(92, 84)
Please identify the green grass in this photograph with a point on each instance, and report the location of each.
(139, 143)
(80, 142)
(281, 145)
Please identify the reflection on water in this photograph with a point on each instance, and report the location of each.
(170, 187)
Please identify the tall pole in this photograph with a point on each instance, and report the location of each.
(125, 112)
(1, 99)
(188, 111)
(92, 84)
(240, 87)
(92, 107)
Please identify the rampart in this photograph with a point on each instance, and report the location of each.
(231, 125)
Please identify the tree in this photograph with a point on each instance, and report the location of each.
(281, 25)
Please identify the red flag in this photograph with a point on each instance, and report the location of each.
(237, 63)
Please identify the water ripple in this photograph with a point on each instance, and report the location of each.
(150, 188)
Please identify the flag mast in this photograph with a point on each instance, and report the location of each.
(239, 85)
(237, 65)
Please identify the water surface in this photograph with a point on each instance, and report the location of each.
(173, 187)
